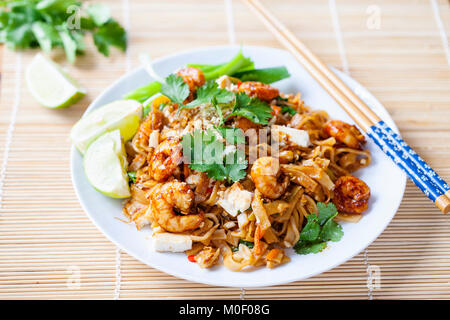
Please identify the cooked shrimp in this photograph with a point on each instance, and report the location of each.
(345, 133)
(193, 77)
(266, 175)
(173, 208)
(351, 195)
(166, 158)
(152, 123)
(259, 90)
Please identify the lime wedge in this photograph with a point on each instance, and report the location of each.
(105, 164)
(50, 86)
(124, 115)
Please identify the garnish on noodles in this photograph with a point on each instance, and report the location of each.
(232, 171)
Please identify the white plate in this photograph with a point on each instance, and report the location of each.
(386, 181)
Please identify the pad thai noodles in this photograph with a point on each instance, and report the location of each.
(232, 171)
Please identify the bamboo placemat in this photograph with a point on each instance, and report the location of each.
(397, 49)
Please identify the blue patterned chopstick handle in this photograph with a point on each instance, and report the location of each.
(417, 169)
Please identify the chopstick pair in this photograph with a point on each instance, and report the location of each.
(390, 143)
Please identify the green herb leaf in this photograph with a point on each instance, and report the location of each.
(331, 230)
(311, 230)
(319, 229)
(207, 92)
(99, 13)
(247, 243)
(54, 23)
(325, 212)
(253, 109)
(288, 109)
(175, 89)
(70, 45)
(306, 247)
(204, 152)
(232, 135)
(110, 34)
(266, 75)
(45, 34)
(132, 176)
(18, 32)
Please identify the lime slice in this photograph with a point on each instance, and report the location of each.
(50, 86)
(124, 115)
(105, 164)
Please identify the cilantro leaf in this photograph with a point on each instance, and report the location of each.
(207, 92)
(235, 170)
(204, 152)
(253, 109)
(132, 176)
(319, 229)
(99, 13)
(331, 230)
(247, 243)
(311, 230)
(110, 34)
(325, 212)
(288, 109)
(218, 108)
(306, 247)
(45, 35)
(58, 23)
(232, 135)
(175, 89)
(69, 43)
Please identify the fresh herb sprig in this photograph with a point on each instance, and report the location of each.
(132, 176)
(209, 93)
(287, 109)
(249, 244)
(59, 23)
(175, 89)
(319, 229)
(205, 151)
(253, 109)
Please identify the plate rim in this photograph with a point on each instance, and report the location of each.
(188, 277)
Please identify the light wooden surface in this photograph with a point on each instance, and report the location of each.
(46, 240)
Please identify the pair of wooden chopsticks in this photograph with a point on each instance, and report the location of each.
(390, 142)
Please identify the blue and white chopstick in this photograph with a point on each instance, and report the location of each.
(407, 159)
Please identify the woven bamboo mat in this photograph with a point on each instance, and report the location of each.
(397, 49)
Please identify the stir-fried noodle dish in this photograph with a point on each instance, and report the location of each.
(228, 169)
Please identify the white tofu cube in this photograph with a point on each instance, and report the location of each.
(169, 242)
(235, 199)
(296, 136)
(153, 140)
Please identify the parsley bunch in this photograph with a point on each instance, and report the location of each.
(319, 229)
(59, 23)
